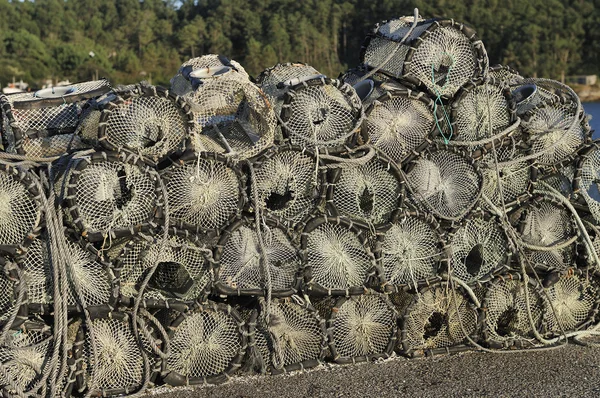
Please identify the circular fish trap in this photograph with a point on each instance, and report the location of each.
(444, 182)
(182, 271)
(368, 192)
(322, 114)
(508, 178)
(400, 121)
(11, 288)
(572, 303)
(439, 54)
(336, 257)
(362, 328)
(112, 194)
(586, 181)
(293, 337)
(506, 318)
(148, 121)
(410, 251)
(37, 272)
(547, 233)
(25, 359)
(42, 123)
(207, 344)
(113, 360)
(232, 116)
(205, 191)
(289, 183)
(479, 247)
(555, 131)
(241, 260)
(438, 321)
(21, 206)
(505, 75)
(536, 91)
(92, 284)
(481, 112)
(190, 74)
(276, 80)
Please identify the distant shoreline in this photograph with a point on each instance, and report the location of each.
(587, 93)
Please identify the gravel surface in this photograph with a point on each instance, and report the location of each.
(571, 371)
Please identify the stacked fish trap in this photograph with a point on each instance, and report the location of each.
(423, 203)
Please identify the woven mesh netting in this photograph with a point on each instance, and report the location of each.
(112, 362)
(247, 263)
(509, 304)
(505, 75)
(207, 343)
(561, 180)
(182, 266)
(555, 130)
(10, 287)
(321, 114)
(572, 303)
(276, 80)
(292, 338)
(110, 192)
(186, 81)
(24, 356)
(20, 206)
(444, 182)
(548, 232)
(148, 121)
(441, 55)
(587, 178)
(204, 191)
(410, 250)
(481, 111)
(288, 182)
(42, 123)
(368, 192)
(400, 121)
(336, 259)
(439, 318)
(480, 248)
(232, 116)
(355, 75)
(508, 176)
(37, 272)
(362, 328)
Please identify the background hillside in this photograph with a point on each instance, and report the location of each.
(134, 40)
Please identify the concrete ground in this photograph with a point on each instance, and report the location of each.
(571, 371)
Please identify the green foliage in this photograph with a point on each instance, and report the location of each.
(148, 39)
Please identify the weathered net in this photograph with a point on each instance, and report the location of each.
(572, 303)
(24, 356)
(441, 55)
(183, 269)
(10, 286)
(233, 114)
(20, 205)
(561, 180)
(335, 257)
(410, 250)
(205, 192)
(322, 114)
(292, 338)
(112, 359)
(505, 75)
(148, 121)
(444, 182)
(480, 248)
(549, 233)
(245, 266)
(399, 122)
(438, 318)
(108, 192)
(288, 183)
(37, 272)
(507, 321)
(368, 192)
(362, 328)
(207, 343)
(588, 180)
(401, 300)
(481, 111)
(42, 123)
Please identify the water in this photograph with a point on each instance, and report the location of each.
(593, 108)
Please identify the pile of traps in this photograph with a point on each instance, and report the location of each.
(422, 203)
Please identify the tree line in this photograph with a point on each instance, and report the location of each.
(133, 40)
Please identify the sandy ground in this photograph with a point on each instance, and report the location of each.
(571, 371)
